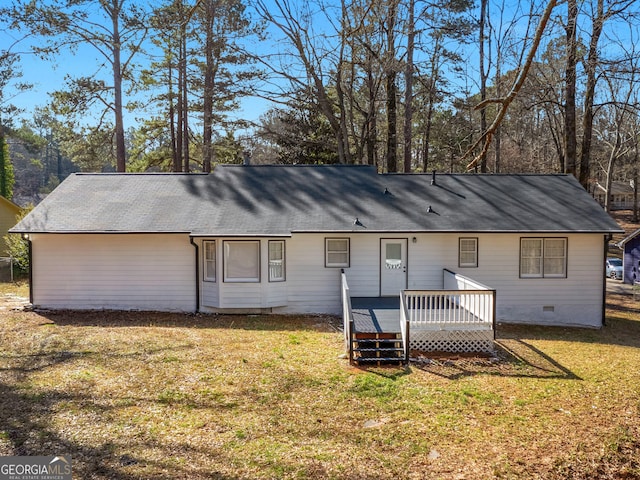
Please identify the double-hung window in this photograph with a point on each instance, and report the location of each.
(209, 247)
(468, 252)
(543, 258)
(336, 252)
(276, 261)
(241, 260)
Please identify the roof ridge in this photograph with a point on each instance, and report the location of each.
(138, 174)
(471, 174)
(296, 165)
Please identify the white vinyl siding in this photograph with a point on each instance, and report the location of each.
(337, 252)
(241, 261)
(209, 256)
(543, 257)
(468, 252)
(576, 299)
(276, 261)
(157, 272)
(114, 271)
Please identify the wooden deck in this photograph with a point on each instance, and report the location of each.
(458, 318)
(376, 314)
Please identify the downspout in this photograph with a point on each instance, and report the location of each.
(25, 236)
(607, 239)
(195, 245)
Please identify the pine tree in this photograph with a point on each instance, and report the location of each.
(6, 168)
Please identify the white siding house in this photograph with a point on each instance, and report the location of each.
(114, 271)
(311, 287)
(276, 239)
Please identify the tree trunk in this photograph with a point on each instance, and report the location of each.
(392, 132)
(570, 135)
(176, 160)
(431, 100)
(179, 104)
(610, 165)
(342, 108)
(121, 165)
(179, 119)
(483, 82)
(635, 184)
(372, 112)
(408, 93)
(589, 95)
(207, 101)
(425, 147)
(498, 86)
(185, 102)
(392, 135)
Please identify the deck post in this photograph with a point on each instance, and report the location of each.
(347, 315)
(493, 297)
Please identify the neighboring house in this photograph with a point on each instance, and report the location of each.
(621, 195)
(631, 258)
(275, 239)
(8, 217)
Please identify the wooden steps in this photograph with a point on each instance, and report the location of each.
(377, 348)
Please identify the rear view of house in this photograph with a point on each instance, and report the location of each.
(276, 239)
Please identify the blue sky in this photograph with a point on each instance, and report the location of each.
(47, 76)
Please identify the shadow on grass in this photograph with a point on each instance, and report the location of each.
(512, 358)
(33, 362)
(29, 426)
(116, 318)
(516, 356)
(621, 328)
(389, 372)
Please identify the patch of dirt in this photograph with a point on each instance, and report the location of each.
(9, 301)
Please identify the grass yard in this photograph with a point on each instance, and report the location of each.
(150, 396)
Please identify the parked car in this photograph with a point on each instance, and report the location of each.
(614, 268)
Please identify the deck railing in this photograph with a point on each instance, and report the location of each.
(459, 318)
(450, 307)
(347, 315)
(404, 328)
(462, 302)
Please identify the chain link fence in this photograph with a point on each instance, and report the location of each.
(7, 266)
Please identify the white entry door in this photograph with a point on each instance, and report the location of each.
(393, 266)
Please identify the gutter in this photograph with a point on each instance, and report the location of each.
(195, 245)
(607, 239)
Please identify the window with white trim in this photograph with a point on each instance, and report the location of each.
(241, 260)
(336, 252)
(209, 247)
(468, 252)
(276, 261)
(543, 257)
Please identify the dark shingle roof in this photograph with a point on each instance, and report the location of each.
(279, 200)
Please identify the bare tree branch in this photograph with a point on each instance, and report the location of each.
(506, 101)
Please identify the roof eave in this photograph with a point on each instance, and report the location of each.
(99, 232)
(622, 242)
